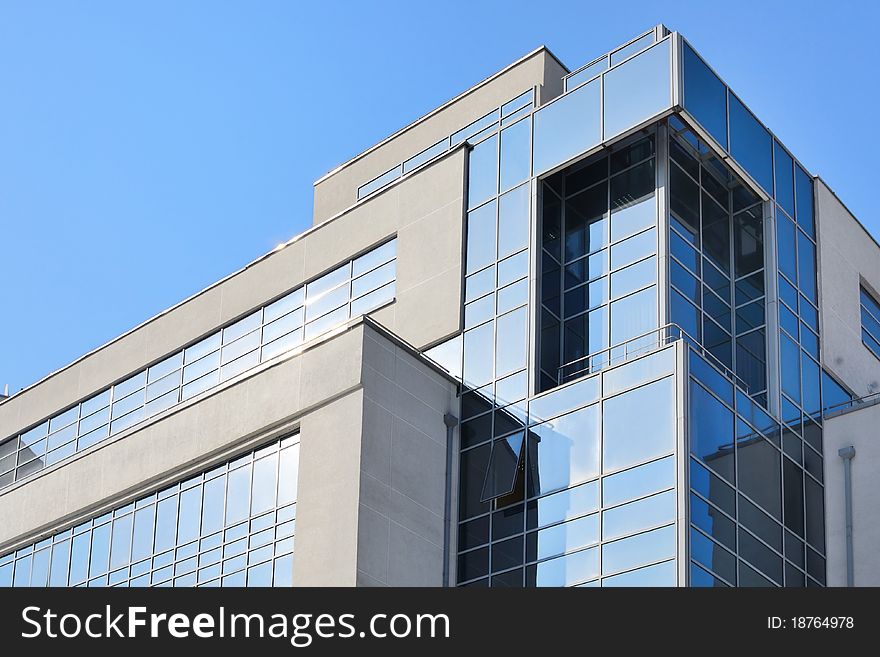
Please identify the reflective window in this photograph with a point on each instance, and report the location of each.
(510, 348)
(563, 538)
(564, 505)
(483, 172)
(713, 522)
(515, 154)
(804, 193)
(712, 556)
(705, 96)
(750, 144)
(565, 571)
(638, 482)
(117, 549)
(635, 516)
(567, 127)
(565, 451)
(712, 432)
(634, 316)
(661, 574)
(630, 438)
(503, 465)
(784, 167)
(759, 472)
(637, 90)
(641, 549)
(513, 222)
(481, 226)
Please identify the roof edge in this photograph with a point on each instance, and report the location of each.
(440, 108)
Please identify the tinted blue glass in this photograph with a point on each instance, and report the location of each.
(655, 545)
(804, 190)
(565, 571)
(166, 523)
(567, 127)
(564, 451)
(515, 154)
(120, 546)
(563, 399)
(481, 237)
(60, 564)
(810, 380)
(789, 357)
(710, 377)
(759, 472)
(784, 178)
(713, 522)
(661, 574)
(713, 488)
(142, 544)
(513, 221)
(712, 432)
(633, 437)
(483, 172)
(564, 505)
(478, 355)
(634, 316)
(702, 579)
(834, 394)
(705, 96)
(510, 347)
(637, 90)
(79, 560)
(638, 371)
(99, 556)
(713, 556)
(685, 315)
(750, 144)
(785, 247)
(563, 538)
(640, 481)
(807, 267)
(639, 515)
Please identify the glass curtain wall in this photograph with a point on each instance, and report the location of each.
(598, 259)
(716, 265)
(232, 525)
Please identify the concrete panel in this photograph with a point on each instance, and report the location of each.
(848, 257)
(429, 255)
(327, 539)
(858, 429)
(338, 190)
(269, 278)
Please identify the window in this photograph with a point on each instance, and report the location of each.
(870, 310)
(177, 536)
(354, 288)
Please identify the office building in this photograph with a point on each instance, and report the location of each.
(591, 327)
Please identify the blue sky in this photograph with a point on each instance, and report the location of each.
(148, 149)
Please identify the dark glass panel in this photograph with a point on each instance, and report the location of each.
(716, 233)
(713, 522)
(750, 144)
(705, 96)
(472, 473)
(804, 188)
(473, 533)
(748, 240)
(712, 432)
(758, 476)
(814, 501)
(713, 488)
(793, 497)
(684, 199)
(784, 179)
(785, 247)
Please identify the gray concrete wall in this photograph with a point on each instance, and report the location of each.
(372, 474)
(859, 429)
(403, 468)
(425, 211)
(338, 189)
(848, 257)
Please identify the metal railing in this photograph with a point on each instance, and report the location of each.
(637, 346)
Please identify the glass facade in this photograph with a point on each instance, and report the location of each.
(870, 313)
(354, 288)
(561, 483)
(579, 490)
(231, 525)
(598, 259)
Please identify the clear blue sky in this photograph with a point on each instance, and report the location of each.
(149, 148)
